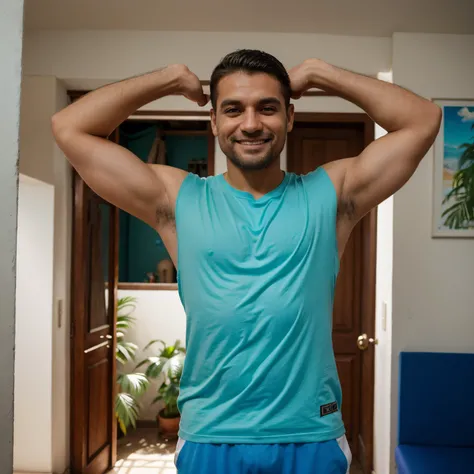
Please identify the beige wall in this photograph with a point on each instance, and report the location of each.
(80, 56)
(433, 301)
(38, 100)
(41, 159)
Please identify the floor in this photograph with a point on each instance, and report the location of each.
(143, 452)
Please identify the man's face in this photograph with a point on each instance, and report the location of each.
(251, 120)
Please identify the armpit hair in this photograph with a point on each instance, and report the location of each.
(346, 208)
(165, 215)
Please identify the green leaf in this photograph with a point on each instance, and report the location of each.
(134, 384)
(155, 369)
(126, 411)
(126, 351)
(126, 301)
(154, 341)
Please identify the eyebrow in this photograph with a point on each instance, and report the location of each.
(263, 101)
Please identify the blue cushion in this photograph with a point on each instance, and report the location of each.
(434, 460)
(436, 399)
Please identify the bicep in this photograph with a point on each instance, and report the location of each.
(115, 174)
(383, 168)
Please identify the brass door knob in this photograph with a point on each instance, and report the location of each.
(363, 342)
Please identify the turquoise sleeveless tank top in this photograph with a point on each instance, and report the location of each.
(256, 278)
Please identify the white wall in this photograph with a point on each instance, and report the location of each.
(433, 301)
(34, 301)
(160, 315)
(11, 27)
(41, 159)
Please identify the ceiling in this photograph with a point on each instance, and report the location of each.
(340, 17)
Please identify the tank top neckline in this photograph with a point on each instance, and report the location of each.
(276, 192)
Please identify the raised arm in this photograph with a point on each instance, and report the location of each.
(411, 121)
(113, 172)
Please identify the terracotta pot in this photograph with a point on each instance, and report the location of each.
(169, 427)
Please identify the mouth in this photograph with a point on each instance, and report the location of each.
(253, 142)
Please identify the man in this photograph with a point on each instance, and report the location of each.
(258, 251)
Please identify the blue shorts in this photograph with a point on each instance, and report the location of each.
(329, 457)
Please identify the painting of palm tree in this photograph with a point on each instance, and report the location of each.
(460, 215)
(454, 172)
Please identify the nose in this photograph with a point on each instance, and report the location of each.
(251, 123)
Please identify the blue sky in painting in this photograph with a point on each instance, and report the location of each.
(457, 129)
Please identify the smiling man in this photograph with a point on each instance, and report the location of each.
(257, 249)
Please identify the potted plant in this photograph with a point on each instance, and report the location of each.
(130, 386)
(166, 366)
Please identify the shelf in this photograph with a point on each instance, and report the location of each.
(148, 286)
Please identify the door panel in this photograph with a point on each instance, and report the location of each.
(311, 145)
(97, 391)
(95, 262)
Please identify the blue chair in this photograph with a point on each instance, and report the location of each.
(436, 413)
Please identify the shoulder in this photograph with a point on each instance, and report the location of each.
(334, 173)
(193, 186)
(336, 170)
(171, 177)
(328, 175)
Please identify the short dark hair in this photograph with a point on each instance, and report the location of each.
(250, 61)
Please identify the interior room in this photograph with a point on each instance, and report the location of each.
(93, 330)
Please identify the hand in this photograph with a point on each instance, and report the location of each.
(301, 77)
(190, 86)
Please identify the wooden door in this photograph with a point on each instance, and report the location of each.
(312, 144)
(93, 341)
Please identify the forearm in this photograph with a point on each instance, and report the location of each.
(392, 107)
(101, 111)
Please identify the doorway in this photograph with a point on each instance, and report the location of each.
(315, 140)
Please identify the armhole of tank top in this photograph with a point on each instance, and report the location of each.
(336, 246)
(181, 191)
(179, 197)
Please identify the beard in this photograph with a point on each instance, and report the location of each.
(255, 164)
(251, 162)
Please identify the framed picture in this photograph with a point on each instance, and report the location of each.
(453, 187)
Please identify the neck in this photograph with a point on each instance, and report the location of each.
(255, 182)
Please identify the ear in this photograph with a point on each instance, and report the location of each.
(213, 122)
(290, 115)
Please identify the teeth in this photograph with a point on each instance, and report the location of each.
(259, 142)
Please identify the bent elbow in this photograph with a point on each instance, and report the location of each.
(60, 129)
(436, 116)
(57, 125)
(429, 124)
